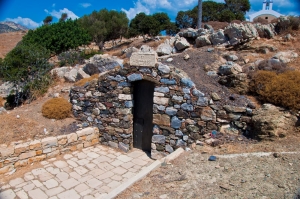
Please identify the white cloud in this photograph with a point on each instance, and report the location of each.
(27, 22)
(85, 5)
(57, 14)
(53, 5)
(138, 8)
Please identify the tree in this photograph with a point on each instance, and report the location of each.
(211, 11)
(48, 20)
(63, 17)
(238, 7)
(105, 25)
(199, 21)
(186, 19)
(152, 25)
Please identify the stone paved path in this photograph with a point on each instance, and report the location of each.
(90, 173)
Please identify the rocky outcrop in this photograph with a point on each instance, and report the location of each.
(270, 122)
(101, 63)
(70, 74)
(6, 88)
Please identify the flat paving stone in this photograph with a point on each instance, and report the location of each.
(60, 164)
(124, 158)
(16, 181)
(37, 194)
(67, 184)
(90, 173)
(22, 194)
(81, 170)
(70, 194)
(8, 194)
(62, 176)
(51, 183)
(94, 182)
(54, 191)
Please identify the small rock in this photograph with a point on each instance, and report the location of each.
(186, 57)
(276, 155)
(18, 116)
(212, 158)
(170, 60)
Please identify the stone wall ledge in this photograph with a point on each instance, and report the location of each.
(18, 155)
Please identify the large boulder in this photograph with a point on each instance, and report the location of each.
(6, 88)
(285, 56)
(60, 72)
(218, 37)
(101, 63)
(270, 122)
(203, 41)
(164, 49)
(240, 32)
(129, 51)
(189, 33)
(182, 44)
(230, 69)
(265, 30)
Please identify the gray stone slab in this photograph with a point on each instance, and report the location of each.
(16, 182)
(54, 191)
(67, 184)
(148, 59)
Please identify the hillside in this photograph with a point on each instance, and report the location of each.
(8, 26)
(9, 40)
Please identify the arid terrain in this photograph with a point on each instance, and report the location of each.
(191, 175)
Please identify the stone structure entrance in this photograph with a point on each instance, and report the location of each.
(149, 105)
(143, 114)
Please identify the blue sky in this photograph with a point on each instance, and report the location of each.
(31, 13)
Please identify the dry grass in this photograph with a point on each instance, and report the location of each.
(82, 82)
(279, 89)
(57, 108)
(2, 101)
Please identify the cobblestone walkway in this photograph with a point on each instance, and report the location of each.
(90, 173)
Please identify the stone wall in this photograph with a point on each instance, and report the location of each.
(22, 154)
(181, 113)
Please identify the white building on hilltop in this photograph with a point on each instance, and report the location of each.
(266, 13)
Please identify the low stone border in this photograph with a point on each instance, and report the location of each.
(114, 193)
(14, 156)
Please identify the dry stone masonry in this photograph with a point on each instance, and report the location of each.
(22, 154)
(181, 113)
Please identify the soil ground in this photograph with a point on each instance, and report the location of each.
(8, 41)
(191, 175)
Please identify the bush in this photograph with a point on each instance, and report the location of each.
(58, 37)
(280, 89)
(287, 24)
(27, 66)
(71, 58)
(57, 108)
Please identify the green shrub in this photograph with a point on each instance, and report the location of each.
(28, 67)
(58, 37)
(71, 58)
(280, 89)
(57, 108)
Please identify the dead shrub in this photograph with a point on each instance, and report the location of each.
(280, 89)
(83, 81)
(57, 108)
(2, 101)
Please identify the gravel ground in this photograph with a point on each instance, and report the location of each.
(252, 175)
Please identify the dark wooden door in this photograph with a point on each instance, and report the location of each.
(143, 114)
